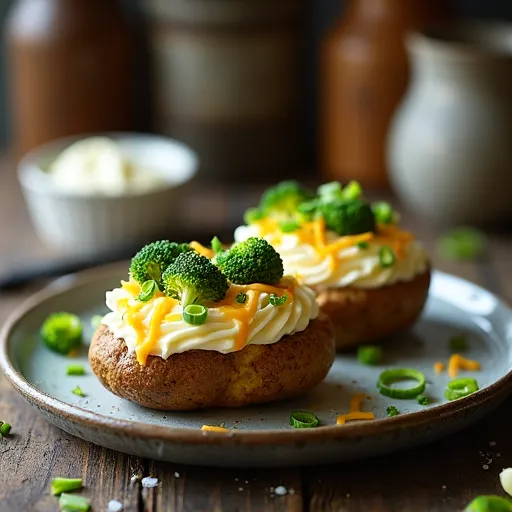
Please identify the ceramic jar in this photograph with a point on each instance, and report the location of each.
(450, 143)
(364, 74)
(227, 82)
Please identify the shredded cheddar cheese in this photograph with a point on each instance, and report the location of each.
(351, 416)
(202, 250)
(355, 411)
(457, 362)
(212, 428)
(131, 287)
(439, 367)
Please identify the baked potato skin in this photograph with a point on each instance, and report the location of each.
(205, 378)
(362, 316)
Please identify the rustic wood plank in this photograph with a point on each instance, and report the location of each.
(191, 489)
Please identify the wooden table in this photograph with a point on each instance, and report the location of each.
(443, 476)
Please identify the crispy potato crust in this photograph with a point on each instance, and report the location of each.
(205, 378)
(362, 316)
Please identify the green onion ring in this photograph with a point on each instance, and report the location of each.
(460, 388)
(387, 377)
(301, 419)
(195, 314)
(387, 257)
(147, 290)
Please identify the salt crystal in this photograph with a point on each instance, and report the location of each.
(149, 482)
(240, 488)
(281, 490)
(443, 487)
(492, 443)
(176, 474)
(485, 466)
(348, 495)
(114, 506)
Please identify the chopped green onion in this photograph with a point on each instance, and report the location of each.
(72, 503)
(216, 245)
(460, 388)
(60, 485)
(462, 244)
(352, 191)
(275, 300)
(369, 354)
(5, 429)
(252, 215)
(78, 391)
(96, 321)
(147, 290)
(489, 504)
(301, 419)
(362, 245)
(241, 298)
(289, 226)
(458, 343)
(384, 213)
(388, 377)
(195, 314)
(392, 411)
(423, 400)
(75, 369)
(387, 256)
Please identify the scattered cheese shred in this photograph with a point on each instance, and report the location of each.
(358, 415)
(355, 411)
(439, 367)
(202, 250)
(355, 403)
(213, 428)
(457, 362)
(131, 287)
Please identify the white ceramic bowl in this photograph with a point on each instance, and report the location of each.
(91, 225)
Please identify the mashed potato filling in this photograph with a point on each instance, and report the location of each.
(157, 327)
(321, 258)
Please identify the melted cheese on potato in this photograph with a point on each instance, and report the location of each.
(157, 327)
(321, 258)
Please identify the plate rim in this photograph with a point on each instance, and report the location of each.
(190, 436)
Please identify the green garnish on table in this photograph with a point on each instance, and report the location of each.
(489, 504)
(60, 485)
(389, 377)
(72, 503)
(369, 354)
(302, 419)
(5, 429)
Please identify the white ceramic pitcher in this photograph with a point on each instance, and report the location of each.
(450, 143)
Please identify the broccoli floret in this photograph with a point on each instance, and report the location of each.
(152, 260)
(280, 202)
(344, 217)
(251, 261)
(194, 279)
(62, 332)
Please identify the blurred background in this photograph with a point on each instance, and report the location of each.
(409, 98)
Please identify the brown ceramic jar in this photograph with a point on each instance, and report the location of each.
(70, 69)
(364, 75)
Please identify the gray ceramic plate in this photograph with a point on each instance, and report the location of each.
(262, 436)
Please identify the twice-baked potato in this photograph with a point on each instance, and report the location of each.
(362, 315)
(206, 378)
